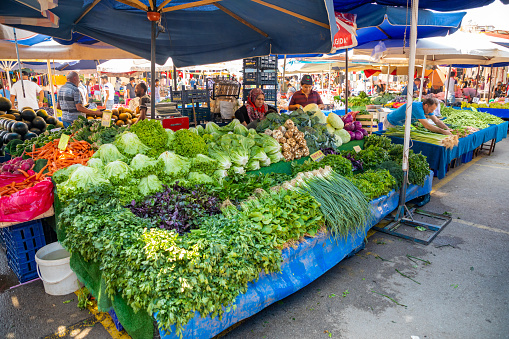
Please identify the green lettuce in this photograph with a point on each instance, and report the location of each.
(174, 164)
(108, 153)
(150, 184)
(95, 163)
(221, 157)
(117, 172)
(252, 165)
(130, 144)
(196, 178)
(142, 165)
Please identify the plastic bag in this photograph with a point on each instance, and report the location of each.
(9, 178)
(27, 204)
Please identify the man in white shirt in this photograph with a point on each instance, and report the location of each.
(83, 92)
(108, 92)
(29, 98)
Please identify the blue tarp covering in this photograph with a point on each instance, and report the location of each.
(301, 266)
(439, 157)
(437, 5)
(498, 112)
(198, 35)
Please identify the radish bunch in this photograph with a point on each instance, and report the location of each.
(14, 165)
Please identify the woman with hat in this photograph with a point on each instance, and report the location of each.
(306, 95)
(254, 110)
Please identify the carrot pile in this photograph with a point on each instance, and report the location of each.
(31, 178)
(77, 152)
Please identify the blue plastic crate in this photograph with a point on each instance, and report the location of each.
(24, 231)
(17, 259)
(24, 271)
(33, 243)
(117, 323)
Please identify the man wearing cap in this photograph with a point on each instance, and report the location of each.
(305, 95)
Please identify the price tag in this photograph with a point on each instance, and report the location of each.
(64, 140)
(357, 149)
(317, 156)
(106, 119)
(476, 100)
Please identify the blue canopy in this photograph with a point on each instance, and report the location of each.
(226, 30)
(437, 5)
(505, 44)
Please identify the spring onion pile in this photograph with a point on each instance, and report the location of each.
(343, 205)
(448, 141)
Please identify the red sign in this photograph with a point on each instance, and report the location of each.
(345, 37)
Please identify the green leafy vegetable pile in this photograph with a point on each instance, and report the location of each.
(188, 144)
(374, 184)
(337, 162)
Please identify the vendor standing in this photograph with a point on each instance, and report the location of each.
(141, 101)
(420, 112)
(255, 109)
(306, 95)
(70, 101)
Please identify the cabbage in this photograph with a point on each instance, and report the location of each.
(108, 153)
(150, 184)
(196, 178)
(211, 128)
(141, 165)
(95, 163)
(265, 163)
(64, 173)
(129, 144)
(238, 170)
(241, 130)
(85, 177)
(220, 156)
(330, 129)
(174, 164)
(335, 121)
(117, 172)
(276, 157)
(252, 165)
(312, 108)
(337, 140)
(239, 156)
(171, 136)
(257, 153)
(344, 135)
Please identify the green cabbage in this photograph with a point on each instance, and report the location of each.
(335, 121)
(108, 153)
(330, 129)
(142, 165)
(196, 178)
(311, 108)
(211, 128)
(130, 144)
(117, 172)
(241, 130)
(149, 185)
(344, 135)
(252, 165)
(85, 177)
(322, 119)
(337, 140)
(64, 173)
(95, 163)
(220, 156)
(174, 164)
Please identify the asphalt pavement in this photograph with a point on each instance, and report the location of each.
(456, 287)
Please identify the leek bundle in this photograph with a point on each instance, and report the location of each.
(448, 141)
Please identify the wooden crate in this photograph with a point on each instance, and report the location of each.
(369, 125)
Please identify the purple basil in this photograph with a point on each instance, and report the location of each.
(356, 164)
(329, 150)
(177, 208)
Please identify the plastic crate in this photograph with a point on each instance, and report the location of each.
(202, 113)
(176, 123)
(188, 96)
(250, 78)
(251, 63)
(24, 231)
(268, 62)
(114, 317)
(268, 78)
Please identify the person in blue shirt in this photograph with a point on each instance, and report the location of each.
(420, 112)
(417, 86)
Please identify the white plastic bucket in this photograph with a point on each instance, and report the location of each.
(54, 270)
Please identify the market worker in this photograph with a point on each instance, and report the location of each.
(419, 112)
(130, 89)
(305, 95)
(417, 86)
(70, 101)
(29, 98)
(141, 101)
(254, 110)
(108, 92)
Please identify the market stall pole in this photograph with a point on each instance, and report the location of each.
(447, 80)
(154, 17)
(19, 62)
(491, 78)
(422, 77)
(347, 89)
(404, 216)
(52, 97)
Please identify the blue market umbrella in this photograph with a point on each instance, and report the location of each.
(192, 32)
(437, 5)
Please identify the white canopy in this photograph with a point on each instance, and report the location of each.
(120, 66)
(457, 48)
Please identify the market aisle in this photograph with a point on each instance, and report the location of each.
(463, 293)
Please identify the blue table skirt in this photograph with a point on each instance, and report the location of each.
(439, 157)
(301, 266)
(499, 112)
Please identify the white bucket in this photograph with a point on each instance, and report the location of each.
(54, 270)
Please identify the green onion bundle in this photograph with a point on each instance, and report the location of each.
(344, 206)
(448, 141)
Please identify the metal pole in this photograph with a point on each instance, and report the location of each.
(346, 86)
(477, 82)
(388, 75)
(330, 76)
(422, 77)
(447, 84)
(409, 99)
(52, 97)
(19, 63)
(153, 71)
(491, 78)
(284, 71)
(175, 78)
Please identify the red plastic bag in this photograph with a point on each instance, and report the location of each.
(8, 178)
(28, 203)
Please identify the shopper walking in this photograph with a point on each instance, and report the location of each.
(108, 92)
(26, 97)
